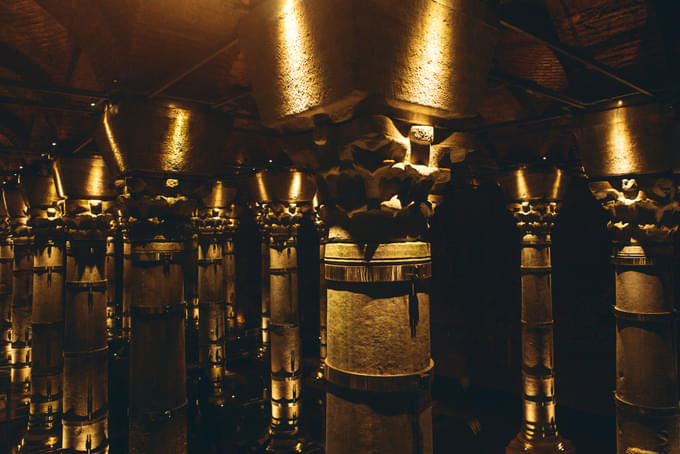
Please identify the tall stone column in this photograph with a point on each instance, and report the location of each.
(372, 88)
(630, 155)
(43, 189)
(323, 301)
(265, 293)
(213, 225)
(6, 259)
(534, 198)
(284, 197)
(162, 152)
(20, 311)
(88, 218)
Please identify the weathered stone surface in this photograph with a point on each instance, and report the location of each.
(337, 58)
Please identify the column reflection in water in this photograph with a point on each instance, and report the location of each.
(6, 260)
(535, 196)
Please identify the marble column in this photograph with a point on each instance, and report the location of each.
(284, 198)
(534, 198)
(43, 189)
(630, 155)
(20, 311)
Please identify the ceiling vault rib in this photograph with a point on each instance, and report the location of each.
(590, 63)
(193, 68)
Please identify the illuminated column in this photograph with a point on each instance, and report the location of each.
(6, 259)
(630, 155)
(284, 198)
(213, 225)
(88, 219)
(369, 90)
(535, 196)
(20, 311)
(323, 303)
(162, 151)
(43, 189)
(265, 293)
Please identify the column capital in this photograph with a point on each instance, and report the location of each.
(641, 208)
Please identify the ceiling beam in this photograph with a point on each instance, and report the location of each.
(590, 63)
(65, 91)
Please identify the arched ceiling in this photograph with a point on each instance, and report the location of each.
(139, 46)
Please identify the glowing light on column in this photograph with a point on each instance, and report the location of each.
(429, 72)
(621, 148)
(297, 60)
(178, 140)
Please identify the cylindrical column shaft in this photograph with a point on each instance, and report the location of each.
(20, 361)
(119, 370)
(85, 421)
(286, 349)
(378, 362)
(211, 336)
(323, 303)
(6, 259)
(158, 387)
(647, 393)
(539, 427)
(113, 311)
(230, 285)
(265, 299)
(44, 423)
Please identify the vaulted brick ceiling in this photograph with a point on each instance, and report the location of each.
(132, 45)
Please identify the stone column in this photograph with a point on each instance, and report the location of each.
(20, 311)
(630, 155)
(158, 396)
(6, 259)
(43, 190)
(284, 198)
(323, 302)
(534, 198)
(213, 225)
(265, 293)
(88, 218)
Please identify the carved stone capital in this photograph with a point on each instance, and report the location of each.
(216, 221)
(643, 209)
(374, 175)
(536, 216)
(280, 221)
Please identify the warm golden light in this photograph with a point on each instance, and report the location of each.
(115, 149)
(178, 140)
(620, 142)
(297, 60)
(428, 73)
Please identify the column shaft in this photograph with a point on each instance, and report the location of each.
(157, 387)
(539, 427)
(6, 259)
(647, 393)
(85, 423)
(265, 298)
(286, 348)
(113, 311)
(378, 361)
(44, 423)
(211, 305)
(230, 286)
(323, 304)
(20, 367)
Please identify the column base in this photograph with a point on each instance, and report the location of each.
(556, 445)
(293, 444)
